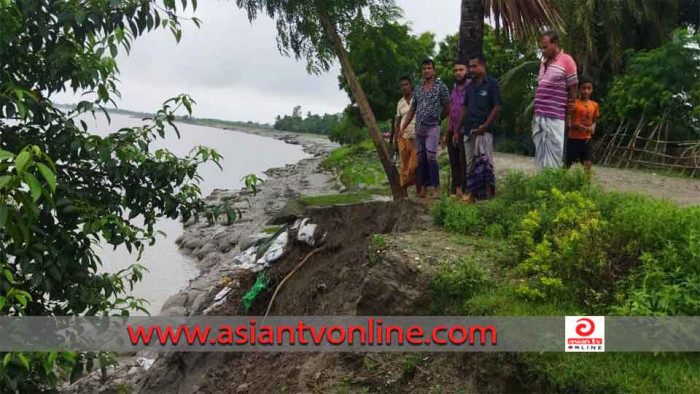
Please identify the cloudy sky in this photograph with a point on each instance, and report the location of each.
(234, 70)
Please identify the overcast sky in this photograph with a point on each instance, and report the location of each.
(234, 70)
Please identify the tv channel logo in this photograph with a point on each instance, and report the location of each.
(584, 334)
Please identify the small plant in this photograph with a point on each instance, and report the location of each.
(463, 219)
(409, 366)
(376, 249)
(251, 182)
(369, 364)
(213, 212)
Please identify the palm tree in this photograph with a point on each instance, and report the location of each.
(519, 18)
(599, 32)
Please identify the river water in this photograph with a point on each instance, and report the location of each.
(169, 271)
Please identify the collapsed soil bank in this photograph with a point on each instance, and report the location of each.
(340, 280)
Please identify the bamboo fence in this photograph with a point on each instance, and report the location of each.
(647, 146)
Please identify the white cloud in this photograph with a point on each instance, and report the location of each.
(234, 70)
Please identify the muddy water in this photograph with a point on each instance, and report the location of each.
(169, 271)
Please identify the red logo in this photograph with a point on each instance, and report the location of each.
(585, 328)
(584, 333)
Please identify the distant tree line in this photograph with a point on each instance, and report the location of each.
(312, 123)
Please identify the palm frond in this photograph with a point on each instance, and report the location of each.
(521, 18)
(516, 76)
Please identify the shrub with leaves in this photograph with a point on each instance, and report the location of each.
(620, 253)
(64, 190)
(661, 83)
(563, 247)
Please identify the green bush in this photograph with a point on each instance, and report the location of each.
(495, 230)
(463, 219)
(456, 281)
(618, 253)
(562, 249)
(518, 195)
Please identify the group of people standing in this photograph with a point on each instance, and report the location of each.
(471, 110)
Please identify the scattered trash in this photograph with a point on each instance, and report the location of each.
(279, 238)
(306, 232)
(260, 285)
(214, 305)
(223, 293)
(146, 363)
(246, 260)
(275, 249)
(274, 255)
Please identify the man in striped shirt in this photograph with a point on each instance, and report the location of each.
(554, 99)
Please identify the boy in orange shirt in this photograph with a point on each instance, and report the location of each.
(582, 127)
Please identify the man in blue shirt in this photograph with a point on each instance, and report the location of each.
(482, 104)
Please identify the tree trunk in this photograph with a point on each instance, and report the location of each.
(471, 28)
(363, 104)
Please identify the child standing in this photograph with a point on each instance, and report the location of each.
(582, 128)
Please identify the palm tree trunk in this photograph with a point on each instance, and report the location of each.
(471, 28)
(363, 104)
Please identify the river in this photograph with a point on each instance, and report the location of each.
(169, 271)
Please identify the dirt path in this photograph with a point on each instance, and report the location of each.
(684, 191)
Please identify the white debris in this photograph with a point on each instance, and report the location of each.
(146, 363)
(276, 249)
(274, 255)
(223, 293)
(246, 259)
(306, 232)
(214, 305)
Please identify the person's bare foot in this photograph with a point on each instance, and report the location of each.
(423, 193)
(468, 198)
(436, 193)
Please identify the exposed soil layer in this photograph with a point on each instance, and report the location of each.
(341, 281)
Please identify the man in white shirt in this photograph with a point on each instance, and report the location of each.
(407, 152)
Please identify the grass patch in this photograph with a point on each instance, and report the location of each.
(456, 281)
(272, 230)
(357, 166)
(612, 372)
(341, 198)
